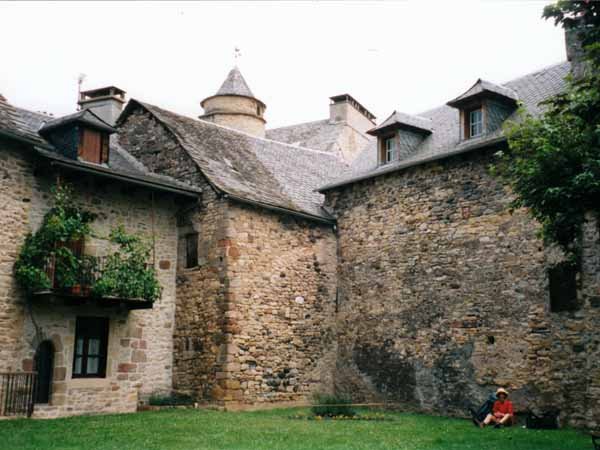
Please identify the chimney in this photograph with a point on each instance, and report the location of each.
(344, 108)
(106, 102)
(575, 52)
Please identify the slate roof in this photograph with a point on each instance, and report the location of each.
(11, 121)
(84, 116)
(482, 86)
(250, 168)
(445, 141)
(320, 135)
(25, 124)
(399, 120)
(235, 84)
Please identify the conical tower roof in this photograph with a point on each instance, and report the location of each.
(235, 84)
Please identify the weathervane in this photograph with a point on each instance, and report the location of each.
(237, 54)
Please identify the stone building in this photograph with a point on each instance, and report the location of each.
(134, 358)
(381, 261)
(444, 291)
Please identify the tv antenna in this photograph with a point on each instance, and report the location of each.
(80, 80)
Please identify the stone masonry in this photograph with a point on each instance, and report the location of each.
(255, 318)
(140, 342)
(444, 297)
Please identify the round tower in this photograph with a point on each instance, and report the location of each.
(235, 106)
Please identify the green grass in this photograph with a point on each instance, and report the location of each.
(200, 429)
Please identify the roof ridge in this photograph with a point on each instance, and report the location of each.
(243, 133)
(37, 113)
(535, 72)
(504, 83)
(298, 124)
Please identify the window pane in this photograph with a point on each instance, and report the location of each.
(77, 366)
(92, 365)
(94, 347)
(91, 334)
(475, 122)
(79, 348)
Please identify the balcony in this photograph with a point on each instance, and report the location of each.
(82, 292)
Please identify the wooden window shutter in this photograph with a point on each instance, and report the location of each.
(80, 148)
(75, 245)
(191, 250)
(105, 148)
(91, 146)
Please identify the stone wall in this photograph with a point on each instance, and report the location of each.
(201, 300)
(200, 290)
(444, 297)
(237, 112)
(16, 191)
(140, 342)
(254, 320)
(279, 323)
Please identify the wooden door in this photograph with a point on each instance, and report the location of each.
(44, 366)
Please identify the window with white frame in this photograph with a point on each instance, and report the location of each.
(390, 150)
(475, 122)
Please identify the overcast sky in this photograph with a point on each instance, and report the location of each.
(406, 55)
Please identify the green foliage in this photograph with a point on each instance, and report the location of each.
(553, 161)
(325, 405)
(63, 223)
(126, 273)
(174, 399)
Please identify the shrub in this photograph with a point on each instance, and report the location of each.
(325, 405)
(173, 399)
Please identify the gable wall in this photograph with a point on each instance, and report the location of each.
(351, 143)
(254, 320)
(444, 297)
(201, 293)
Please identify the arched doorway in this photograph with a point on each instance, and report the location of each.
(44, 366)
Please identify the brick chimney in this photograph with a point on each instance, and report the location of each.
(106, 103)
(345, 108)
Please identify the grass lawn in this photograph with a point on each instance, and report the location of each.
(266, 430)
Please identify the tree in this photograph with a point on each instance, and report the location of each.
(553, 160)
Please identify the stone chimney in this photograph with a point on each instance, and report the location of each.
(235, 106)
(106, 103)
(575, 53)
(344, 108)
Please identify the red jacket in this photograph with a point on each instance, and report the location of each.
(503, 408)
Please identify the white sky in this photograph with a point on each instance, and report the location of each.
(408, 55)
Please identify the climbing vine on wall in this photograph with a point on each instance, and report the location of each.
(65, 222)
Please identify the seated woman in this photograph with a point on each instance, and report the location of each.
(502, 412)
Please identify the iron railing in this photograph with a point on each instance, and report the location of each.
(90, 270)
(17, 393)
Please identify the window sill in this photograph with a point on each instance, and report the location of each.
(85, 383)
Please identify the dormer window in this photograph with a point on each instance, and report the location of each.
(475, 123)
(81, 136)
(93, 146)
(390, 149)
(412, 129)
(483, 108)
